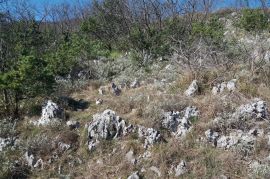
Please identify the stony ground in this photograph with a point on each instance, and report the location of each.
(160, 122)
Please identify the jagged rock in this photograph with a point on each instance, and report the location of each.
(99, 101)
(149, 135)
(73, 124)
(257, 109)
(51, 112)
(4, 142)
(130, 157)
(101, 91)
(106, 125)
(32, 161)
(211, 135)
(135, 84)
(156, 170)
(116, 91)
(134, 175)
(179, 122)
(179, 170)
(236, 138)
(220, 88)
(192, 89)
(231, 85)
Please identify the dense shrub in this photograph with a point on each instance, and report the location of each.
(253, 20)
(213, 29)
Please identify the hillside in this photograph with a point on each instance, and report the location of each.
(173, 102)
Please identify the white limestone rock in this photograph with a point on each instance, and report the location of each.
(116, 91)
(149, 135)
(221, 87)
(73, 124)
(134, 175)
(179, 122)
(99, 101)
(257, 109)
(135, 84)
(106, 125)
(51, 113)
(155, 170)
(179, 170)
(211, 135)
(130, 157)
(4, 142)
(192, 89)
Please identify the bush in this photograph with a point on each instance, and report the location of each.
(254, 20)
(213, 29)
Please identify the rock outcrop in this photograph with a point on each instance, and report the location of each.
(51, 113)
(150, 136)
(221, 87)
(179, 123)
(192, 89)
(106, 125)
(116, 91)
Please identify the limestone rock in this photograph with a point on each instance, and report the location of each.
(149, 135)
(179, 122)
(192, 89)
(116, 91)
(130, 157)
(106, 125)
(4, 142)
(73, 124)
(134, 175)
(257, 109)
(179, 170)
(221, 87)
(135, 84)
(155, 170)
(99, 101)
(51, 112)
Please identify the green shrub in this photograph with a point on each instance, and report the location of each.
(253, 20)
(213, 29)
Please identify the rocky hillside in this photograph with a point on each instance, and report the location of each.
(208, 118)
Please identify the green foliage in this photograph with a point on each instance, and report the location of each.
(30, 78)
(253, 20)
(213, 29)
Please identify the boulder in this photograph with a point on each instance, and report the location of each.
(256, 109)
(179, 170)
(130, 157)
(4, 142)
(134, 175)
(106, 125)
(51, 112)
(149, 135)
(192, 89)
(116, 91)
(73, 124)
(179, 122)
(221, 87)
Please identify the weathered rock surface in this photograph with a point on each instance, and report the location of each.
(4, 142)
(221, 87)
(116, 91)
(256, 109)
(51, 112)
(192, 89)
(106, 125)
(179, 122)
(179, 170)
(150, 136)
(135, 84)
(134, 175)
